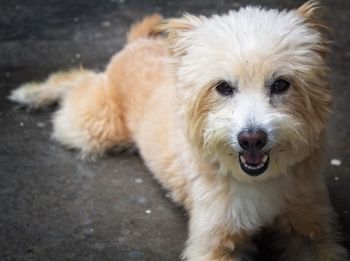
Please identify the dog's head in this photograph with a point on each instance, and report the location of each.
(253, 87)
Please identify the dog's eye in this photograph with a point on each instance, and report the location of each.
(279, 86)
(224, 88)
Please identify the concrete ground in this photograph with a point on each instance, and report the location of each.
(54, 206)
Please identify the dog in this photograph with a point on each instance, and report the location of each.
(229, 112)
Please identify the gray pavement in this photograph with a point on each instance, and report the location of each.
(53, 206)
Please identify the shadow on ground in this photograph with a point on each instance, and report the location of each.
(56, 207)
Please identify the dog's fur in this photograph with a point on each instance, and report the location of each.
(159, 93)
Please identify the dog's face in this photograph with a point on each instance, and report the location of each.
(253, 86)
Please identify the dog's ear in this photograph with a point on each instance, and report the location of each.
(178, 32)
(312, 11)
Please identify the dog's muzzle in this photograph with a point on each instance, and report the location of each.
(253, 160)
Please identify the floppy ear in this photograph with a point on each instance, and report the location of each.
(312, 12)
(178, 32)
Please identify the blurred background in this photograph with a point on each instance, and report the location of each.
(54, 206)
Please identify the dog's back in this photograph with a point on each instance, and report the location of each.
(100, 110)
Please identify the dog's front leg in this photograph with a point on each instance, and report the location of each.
(210, 240)
(312, 220)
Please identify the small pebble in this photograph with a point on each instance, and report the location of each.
(76, 19)
(87, 231)
(138, 181)
(78, 55)
(148, 211)
(21, 124)
(335, 162)
(336, 178)
(8, 75)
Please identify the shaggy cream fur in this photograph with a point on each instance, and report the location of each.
(162, 94)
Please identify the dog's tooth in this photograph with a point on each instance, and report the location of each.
(264, 158)
(242, 159)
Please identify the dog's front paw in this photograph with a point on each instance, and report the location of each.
(190, 255)
(332, 253)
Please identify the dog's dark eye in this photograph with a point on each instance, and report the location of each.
(279, 86)
(224, 88)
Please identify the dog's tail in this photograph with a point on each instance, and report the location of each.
(40, 94)
(145, 28)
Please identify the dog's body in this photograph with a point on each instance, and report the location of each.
(184, 117)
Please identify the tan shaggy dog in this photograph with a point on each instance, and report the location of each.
(229, 112)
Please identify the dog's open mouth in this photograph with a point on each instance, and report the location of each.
(254, 163)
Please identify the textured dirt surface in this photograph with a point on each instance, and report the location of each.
(53, 206)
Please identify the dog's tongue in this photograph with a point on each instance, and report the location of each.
(253, 158)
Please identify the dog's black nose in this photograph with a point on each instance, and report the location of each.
(252, 140)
